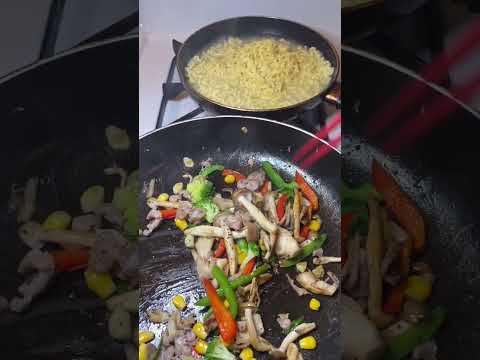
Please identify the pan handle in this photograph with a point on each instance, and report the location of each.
(176, 45)
(334, 97)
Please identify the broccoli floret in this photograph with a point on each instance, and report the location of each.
(211, 210)
(253, 251)
(218, 351)
(200, 189)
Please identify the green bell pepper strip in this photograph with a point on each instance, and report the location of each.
(235, 284)
(226, 286)
(277, 180)
(209, 170)
(358, 194)
(400, 346)
(294, 324)
(307, 250)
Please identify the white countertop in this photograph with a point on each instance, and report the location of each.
(162, 21)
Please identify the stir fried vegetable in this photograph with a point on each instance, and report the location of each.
(200, 189)
(226, 286)
(218, 351)
(307, 190)
(209, 170)
(294, 324)
(277, 180)
(225, 320)
(401, 345)
(307, 250)
(240, 281)
(234, 173)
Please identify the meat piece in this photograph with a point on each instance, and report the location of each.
(86, 222)
(106, 250)
(152, 225)
(300, 291)
(223, 204)
(253, 181)
(184, 342)
(168, 353)
(42, 265)
(233, 221)
(196, 216)
(284, 321)
(286, 246)
(183, 210)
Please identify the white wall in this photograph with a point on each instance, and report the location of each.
(23, 23)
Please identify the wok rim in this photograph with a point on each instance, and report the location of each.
(320, 95)
(12, 75)
(400, 68)
(275, 122)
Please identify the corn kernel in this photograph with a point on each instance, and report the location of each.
(226, 303)
(179, 302)
(246, 354)
(241, 255)
(314, 304)
(229, 179)
(163, 197)
(315, 225)
(201, 347)
(100, 283)
(308, 343)
(145, 336)
(418, 288)
(142, 351)
(200, 331)
(181, 224)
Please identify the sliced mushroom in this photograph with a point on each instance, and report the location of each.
(286, 246)
(296, 215)
(323, 260)
(223, 204)
(203, 245)
(270, 207)
(292, 352)
(300, 291)
(293, 335)
(259, 217)
(205, 231)
(230, 248)
(257, 342)
(312, 284)
(34, 235)
(374, 257)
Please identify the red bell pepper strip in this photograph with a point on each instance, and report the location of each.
(394, 301)
(265, 187)
(220, 249)
(168, 214)
(236, 174)
(305, 231)
(249, 267)
(307, 191)
(404, 209)
(70, 260)
(225, 320)
(282, 202)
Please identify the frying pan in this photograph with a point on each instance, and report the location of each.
(54, 116)
(251, 27)
(167, 268)
(439, 173)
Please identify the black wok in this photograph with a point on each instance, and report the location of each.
(167, 267)
(439, 172)
(253, 27)
(54, 115)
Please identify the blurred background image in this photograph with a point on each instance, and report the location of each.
(69, 107)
